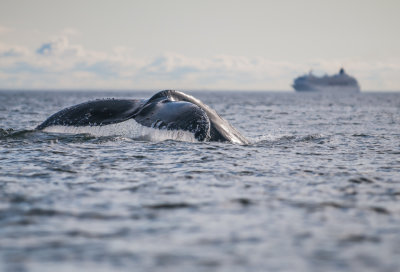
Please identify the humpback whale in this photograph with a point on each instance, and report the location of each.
(166, 110)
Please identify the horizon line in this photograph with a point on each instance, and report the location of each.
(48, 89)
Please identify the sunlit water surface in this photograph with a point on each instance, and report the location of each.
(318, 189)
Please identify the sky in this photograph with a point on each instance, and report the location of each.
(198, 45)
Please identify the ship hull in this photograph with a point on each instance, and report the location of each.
(352, 89)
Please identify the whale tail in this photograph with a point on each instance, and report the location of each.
(220, 129)
(170, 110)
(174, 115)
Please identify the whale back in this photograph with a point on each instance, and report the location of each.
(220, 129)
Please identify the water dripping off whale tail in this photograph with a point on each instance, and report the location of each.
(173, 114)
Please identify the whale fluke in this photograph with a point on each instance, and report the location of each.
(169, 110)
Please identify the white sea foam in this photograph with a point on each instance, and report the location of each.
(129, 129)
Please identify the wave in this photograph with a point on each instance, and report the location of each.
(131, 130)
(11, 133)
(283, 139)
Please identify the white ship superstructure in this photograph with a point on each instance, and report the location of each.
(337, 82)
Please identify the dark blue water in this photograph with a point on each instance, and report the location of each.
(318, 188)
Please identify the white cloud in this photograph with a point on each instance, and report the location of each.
(60, 64)
(61, 47)
(69, 31)
(12, 51)
(5, 30)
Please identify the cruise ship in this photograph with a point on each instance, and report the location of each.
(335, 83)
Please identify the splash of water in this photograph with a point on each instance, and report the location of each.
(128, 129)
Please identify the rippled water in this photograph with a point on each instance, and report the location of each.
(317, 190)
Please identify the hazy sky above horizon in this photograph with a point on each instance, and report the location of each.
(205, 44)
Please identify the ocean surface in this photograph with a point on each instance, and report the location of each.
(318, 188)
